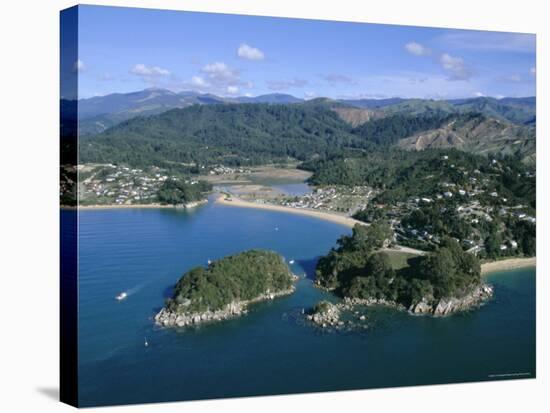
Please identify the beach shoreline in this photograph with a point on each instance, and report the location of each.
(486, 268)
(326, 216)
(191, 205)
(507, 264)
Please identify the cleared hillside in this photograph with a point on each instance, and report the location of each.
(478, 134)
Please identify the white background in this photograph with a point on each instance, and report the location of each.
(29, 205)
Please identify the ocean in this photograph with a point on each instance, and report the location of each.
(271, 350)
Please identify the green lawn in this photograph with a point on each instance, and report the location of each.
(399, 260)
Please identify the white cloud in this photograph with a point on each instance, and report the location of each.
(417, 49)
(198, 81)
(220, 72)
(479, 94)
(249, 53)
(232, 90)
(79, 66)
(148, 71)
(310, 95)
(286, 84)
(533, 71)
(455, 66)
(218, 78)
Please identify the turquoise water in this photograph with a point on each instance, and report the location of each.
(271, 350)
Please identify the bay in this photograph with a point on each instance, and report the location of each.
(272, 350)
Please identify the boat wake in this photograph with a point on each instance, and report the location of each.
(125, 294)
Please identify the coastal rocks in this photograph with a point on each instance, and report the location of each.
(350, 303)
(422, 307)
(325, 314)
(347, 313)
(452, 305)
(168, 318)
(193, 204)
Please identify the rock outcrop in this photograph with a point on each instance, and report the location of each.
(168, 318)
(452, 305)
(325, 314)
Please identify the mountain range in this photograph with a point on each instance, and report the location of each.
(98, 114)
(148, 127)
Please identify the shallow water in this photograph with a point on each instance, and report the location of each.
(271, 350)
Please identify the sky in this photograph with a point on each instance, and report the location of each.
(130, 49)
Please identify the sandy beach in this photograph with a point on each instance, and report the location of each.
(146, 206)
(138, 206)
(327, 216)
(508, 264)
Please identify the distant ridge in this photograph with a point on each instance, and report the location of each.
(99, 113)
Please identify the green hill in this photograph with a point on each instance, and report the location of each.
(242, 277)
(231, 134)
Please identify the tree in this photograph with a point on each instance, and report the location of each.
(492, 245)
(177, 192)
(439, 269)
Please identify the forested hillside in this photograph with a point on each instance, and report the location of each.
(258, 133)
(230, 134)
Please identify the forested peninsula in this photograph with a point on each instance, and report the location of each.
(441, 282)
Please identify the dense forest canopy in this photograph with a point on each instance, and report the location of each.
(239, 277)
(357, 268)
(259, 133)
(228, 134)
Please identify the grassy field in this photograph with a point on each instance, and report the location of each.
(400, 260)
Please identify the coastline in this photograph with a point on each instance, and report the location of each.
(327, 216)
(486, 268)
(507, 264)
(167, 318)
(136, 206)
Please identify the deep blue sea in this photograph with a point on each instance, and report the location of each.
(271, 350)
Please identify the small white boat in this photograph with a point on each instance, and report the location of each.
(121, 296)
(146, 343)
(291, 262)
(209, 262)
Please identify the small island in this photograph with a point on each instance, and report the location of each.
(225, 288)
(360, 270)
